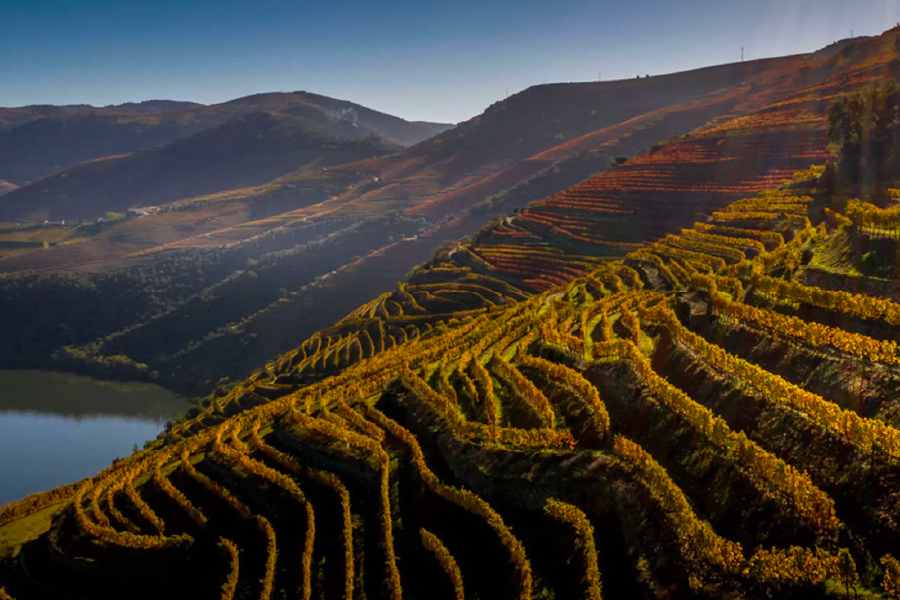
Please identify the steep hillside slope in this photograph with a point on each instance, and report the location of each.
(675, 424)
(777, 125)
(727, 131)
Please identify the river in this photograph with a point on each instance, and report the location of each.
(56, 428)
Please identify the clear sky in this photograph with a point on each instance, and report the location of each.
(440, 61)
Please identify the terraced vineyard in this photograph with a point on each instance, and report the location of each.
(688, 421)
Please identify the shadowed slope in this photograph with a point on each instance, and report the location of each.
(250, 149)
(38, 141)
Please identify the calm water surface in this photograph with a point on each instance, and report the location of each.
(56, 428)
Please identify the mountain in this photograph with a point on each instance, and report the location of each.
(153, 107)
(211, 286)
(38, 141)
(776, 125)
(14, 116)
(249, 149)
(258, 138)
(391, 128)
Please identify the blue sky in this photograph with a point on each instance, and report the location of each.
(442, 61)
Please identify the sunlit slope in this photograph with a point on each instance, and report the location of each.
(666, 188)
(632, 433)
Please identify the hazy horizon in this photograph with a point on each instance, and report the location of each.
(436, 63)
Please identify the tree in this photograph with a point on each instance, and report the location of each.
(839, 122)
(866, 129)
(847, 569)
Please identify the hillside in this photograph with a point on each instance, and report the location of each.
(691, 420)
(38, 141)
(14, 116)
(341, 113)
(776, 126)
(247, 150)
(314, 244)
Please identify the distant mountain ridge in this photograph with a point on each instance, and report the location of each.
(159, 151)
(153, 107)
(249, 149)
(391, 128)
(41, 140)
(20, 115)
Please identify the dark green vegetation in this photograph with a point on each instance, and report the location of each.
(78, 397)
(865, 127)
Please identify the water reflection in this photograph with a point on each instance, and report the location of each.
(77, 396)
(56, 428)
